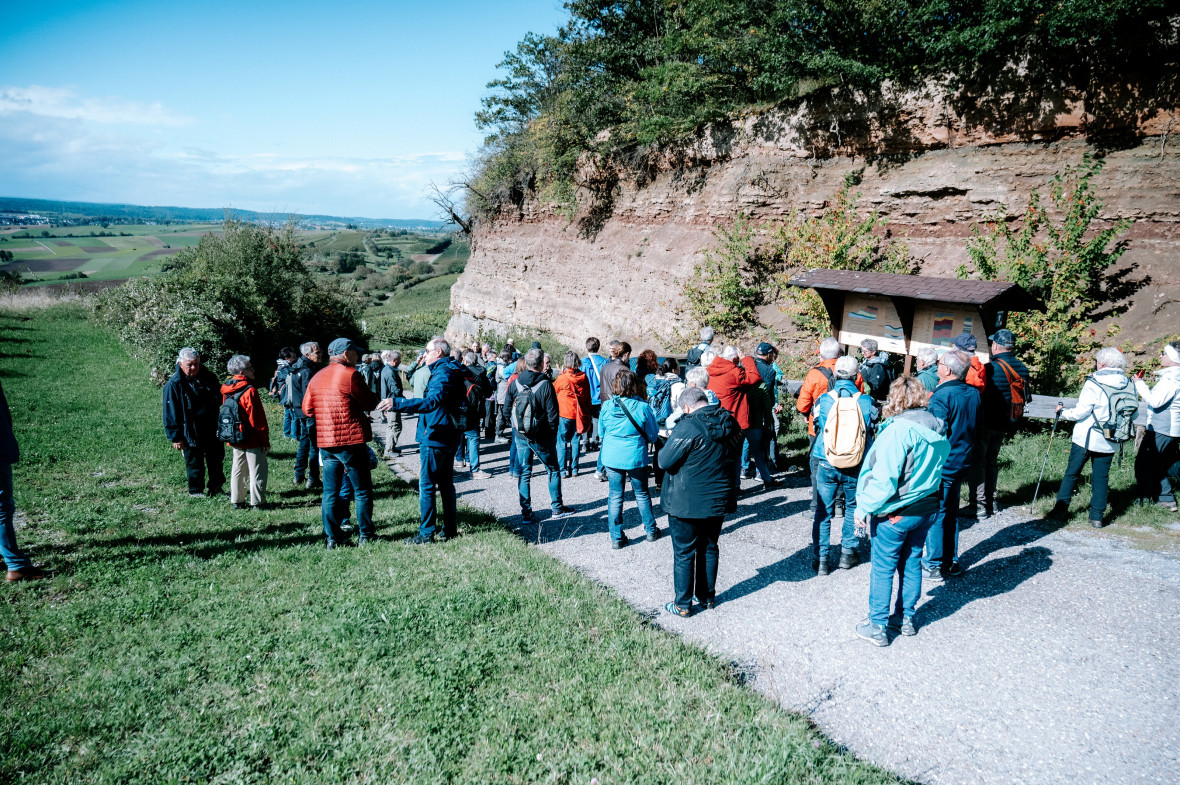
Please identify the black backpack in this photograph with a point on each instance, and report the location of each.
(229, 419)
(524, 409)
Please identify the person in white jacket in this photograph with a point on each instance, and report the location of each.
(1089, 444)
(1158, 460)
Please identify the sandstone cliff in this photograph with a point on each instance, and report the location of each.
(931, 169)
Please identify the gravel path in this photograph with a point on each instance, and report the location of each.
(1054, 659)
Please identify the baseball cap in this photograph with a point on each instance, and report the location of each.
(764, 349)
(965, 342)
(342, 345)
(1003, 338)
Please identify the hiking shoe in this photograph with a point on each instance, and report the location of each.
(873, 633)
(196, 495)
(334, 544)
(1097, 524)
(240, 505)
(528, 518)
(25, 574)
(619, 543)
(261, 507)
(931, 573)
(564, 512)
(676, 610)
(849, 559)
(298, 481)
(748, 474)
(706, 605)
(654, 535)
(312, 484)
(480, 475)
(362, 541)
(954, 571)
(601, 476)
(908, 628)
(770, 485)
(444, 537)
(418, 539)
(820, 566)
(1060, 513)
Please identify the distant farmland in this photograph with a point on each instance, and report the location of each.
(136, 250)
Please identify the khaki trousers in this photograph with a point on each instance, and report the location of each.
(251, 464)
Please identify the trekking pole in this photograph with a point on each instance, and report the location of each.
(1044, 463)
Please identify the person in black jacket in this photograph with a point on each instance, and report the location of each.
(543, 441)
(192, 398)
(476, 387)
(700, 486)
(1004, 373)
(307, 467)
(20, 568)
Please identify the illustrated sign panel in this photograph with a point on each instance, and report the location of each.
(870, 316)
(938, 324)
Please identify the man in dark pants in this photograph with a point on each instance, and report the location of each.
(957, 404)
(307, 468)
(1002, 375)
(542, 443)
(700, 486)
(439, 411)
(340, 400)
(192, 398)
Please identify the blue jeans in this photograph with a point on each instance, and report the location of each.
(289, 424)
(436, 472)
(897, 547)
(472, 453)
(568, 444)
(351, 462)
(942, 543)
(614, 506)
(525, 450)
(830, 483)
(305, 463)
(513, 457)
(754, 447)
(13, 556)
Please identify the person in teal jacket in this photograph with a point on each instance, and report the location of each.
(897, 497)
(628, 425)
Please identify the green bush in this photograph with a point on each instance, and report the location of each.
(408, 330)
(244, 291)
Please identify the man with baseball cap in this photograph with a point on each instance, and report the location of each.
(1007, 386)
(339, 399)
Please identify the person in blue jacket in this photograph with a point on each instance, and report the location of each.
(628, 427)
(833, 483)
(440, 411)
(897, 498)
(958, 405)
(592, 367)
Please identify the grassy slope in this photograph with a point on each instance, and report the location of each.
(185, 641)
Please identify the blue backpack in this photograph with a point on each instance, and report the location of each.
(659, 397)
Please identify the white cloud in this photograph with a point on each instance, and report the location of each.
(64, 103)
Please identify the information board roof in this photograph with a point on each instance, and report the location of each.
(995, 295)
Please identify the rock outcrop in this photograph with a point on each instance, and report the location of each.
(932, 171)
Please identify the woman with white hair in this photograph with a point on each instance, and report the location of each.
(1094, 410)
(250, 467)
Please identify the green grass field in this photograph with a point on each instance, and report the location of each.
(184, 641)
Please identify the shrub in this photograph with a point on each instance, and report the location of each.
(245, 291)
(408, 330)
(733, 281)
(421, 268)
(10, 281)
(1057, 257)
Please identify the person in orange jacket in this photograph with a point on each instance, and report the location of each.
(249, 455)
(967, 344)
(573, 405)
(818, 381)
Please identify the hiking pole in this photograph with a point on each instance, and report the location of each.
(1044, 463)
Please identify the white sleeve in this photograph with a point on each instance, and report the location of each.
(1158, 398)
(1086, 403)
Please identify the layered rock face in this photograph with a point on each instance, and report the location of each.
(616, 269)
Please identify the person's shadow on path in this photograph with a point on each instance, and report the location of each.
(794, 568)
(990, 579)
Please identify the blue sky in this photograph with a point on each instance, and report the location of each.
(346, 108)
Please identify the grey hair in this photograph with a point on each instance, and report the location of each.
(237, 364)
(692, 397)
(846, 367)
(730, 352)
(707, 335)
(438, 343)
(391, 355)
(469, 358)
(697, 377)
(927, 355)
(307, 348)
(532, 359)
(1110, 357)
(869, 345)
(707, 358)
(486, 347)
(829, 348)
(957, 363)
(571, 360)
(187, 353)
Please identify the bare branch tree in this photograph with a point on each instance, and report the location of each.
(449, 207)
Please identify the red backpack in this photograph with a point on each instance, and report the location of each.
(1016, 388)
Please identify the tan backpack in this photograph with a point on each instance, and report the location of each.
(844, 432)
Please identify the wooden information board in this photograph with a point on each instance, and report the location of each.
(938, 324)
(871, 316)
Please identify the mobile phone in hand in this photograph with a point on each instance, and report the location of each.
(1139, 373)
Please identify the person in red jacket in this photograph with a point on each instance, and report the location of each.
(249, 455)
(573, 405)
(339, 399)
(966, 345)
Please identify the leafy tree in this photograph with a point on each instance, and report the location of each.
(246, 290)
(733, 281)
(1057, 254)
